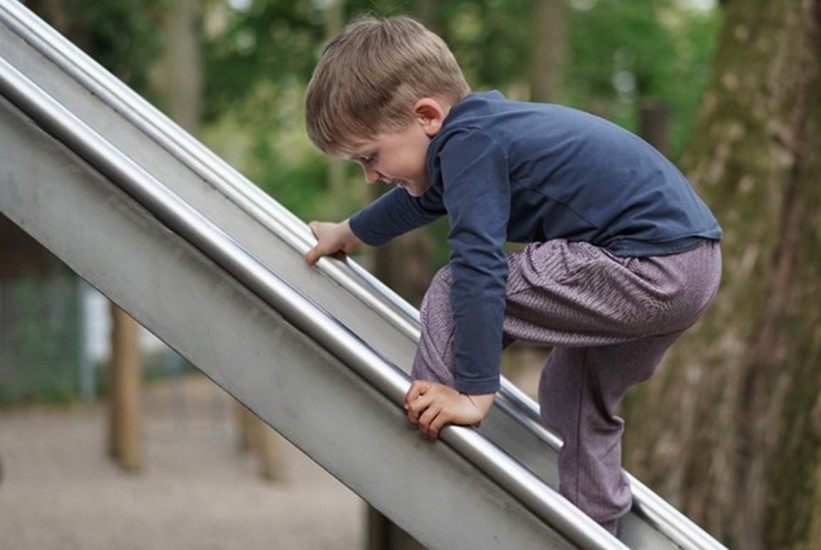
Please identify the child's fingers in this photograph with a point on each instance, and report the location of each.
(313, 256)
(417, 400)
(417, 389)
(432, 420)
(428, 407)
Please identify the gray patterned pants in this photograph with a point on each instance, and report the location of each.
(609, 321)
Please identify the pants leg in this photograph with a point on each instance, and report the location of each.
(580, 391)
(609, 320)
(434, 358)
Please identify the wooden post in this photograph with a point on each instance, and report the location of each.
(269, 451)
(126, 417)
(257, 437)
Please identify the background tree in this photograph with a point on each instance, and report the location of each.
(547, 57)
(730, 430)
(179, 77)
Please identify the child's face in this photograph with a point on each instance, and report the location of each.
(396, 158)
(399, 157)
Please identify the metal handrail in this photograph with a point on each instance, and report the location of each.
(297, 309)
(293, 231)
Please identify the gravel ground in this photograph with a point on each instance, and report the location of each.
(60, 491)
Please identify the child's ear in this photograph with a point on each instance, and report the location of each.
(431, 115)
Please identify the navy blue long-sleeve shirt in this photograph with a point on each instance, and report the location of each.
(524, 172)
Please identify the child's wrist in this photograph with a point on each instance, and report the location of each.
(482, 401)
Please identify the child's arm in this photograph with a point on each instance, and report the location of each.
(431, 406)
(332, 238)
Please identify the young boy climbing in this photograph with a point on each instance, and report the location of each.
(620, 256)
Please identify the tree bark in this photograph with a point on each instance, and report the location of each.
(548, 50)
(182, 67)
(730, 429)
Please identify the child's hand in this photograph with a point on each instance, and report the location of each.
(431, 405)
(332, 238)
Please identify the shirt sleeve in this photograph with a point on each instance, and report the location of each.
(395, 213)
(477, 196)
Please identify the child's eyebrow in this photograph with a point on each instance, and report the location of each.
(356, 148)
(359, 154)
(348, 154)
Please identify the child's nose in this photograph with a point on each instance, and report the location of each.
(371, 175)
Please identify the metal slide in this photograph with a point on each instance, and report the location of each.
(213, 266)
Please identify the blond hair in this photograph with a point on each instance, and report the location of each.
(370, 76)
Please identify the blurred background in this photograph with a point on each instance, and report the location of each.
(729, 430)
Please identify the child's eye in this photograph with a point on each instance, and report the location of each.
(370, 159)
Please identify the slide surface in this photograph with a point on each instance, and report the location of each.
(207, 262)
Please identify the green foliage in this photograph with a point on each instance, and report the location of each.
(272, 42)
(490, 39)
(623, 52)
(122, 36)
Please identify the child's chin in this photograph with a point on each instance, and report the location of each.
(415, 191)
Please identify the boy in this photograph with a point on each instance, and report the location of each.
(620, 255)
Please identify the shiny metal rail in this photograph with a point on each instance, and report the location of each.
(282, 223)
(295, 308)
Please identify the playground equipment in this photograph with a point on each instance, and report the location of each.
(213, 266)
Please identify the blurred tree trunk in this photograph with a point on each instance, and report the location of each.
(334, 20)
(730, 429)
(181, 68)
(654, 123)
(548, 50)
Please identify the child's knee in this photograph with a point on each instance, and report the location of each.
(442, 280)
